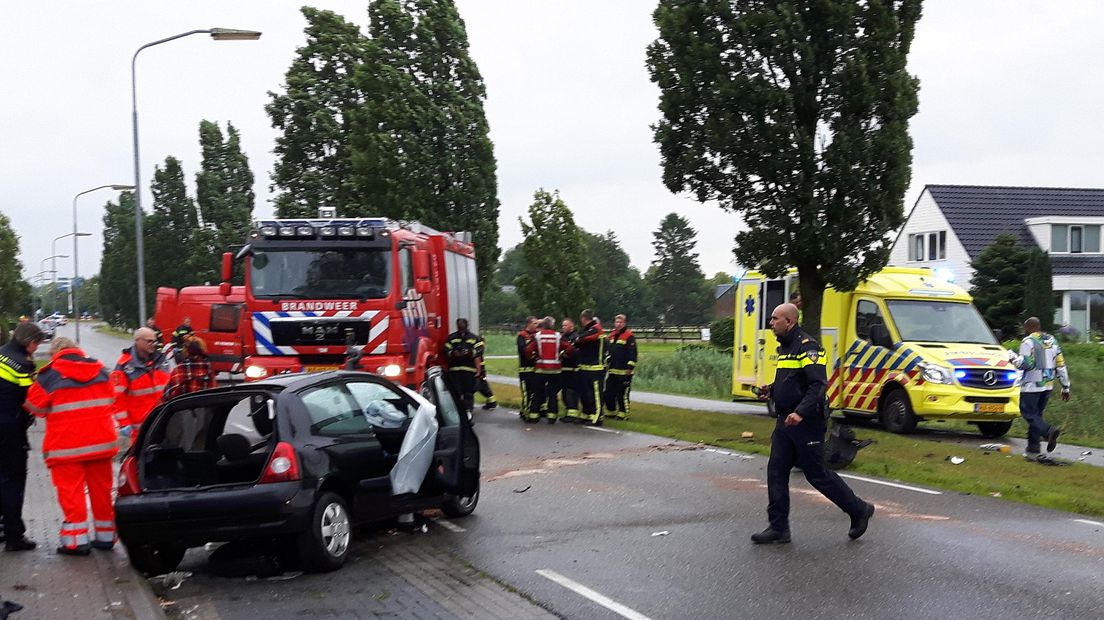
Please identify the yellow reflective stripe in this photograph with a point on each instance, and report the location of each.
(591, 367)
(83, 450)
(22, 379)
(808, 362)
(95, 402)
(463, 368)
(618, 371)
(789, 363)
(545, 371)
(632, 362)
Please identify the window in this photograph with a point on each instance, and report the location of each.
(867, 314)
(1075, 239)
(380, 403)
(406, 272)
(1059, 238)
(916, 247)
(332, 412)
(225, 317)
(928, 246)
(249, 418)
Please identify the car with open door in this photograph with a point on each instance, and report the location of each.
(300, 459)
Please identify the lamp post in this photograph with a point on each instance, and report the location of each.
(218, 34)
(53, 273)
(76, 264)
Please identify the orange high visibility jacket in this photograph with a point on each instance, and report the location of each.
(138, 385)
(74, 394)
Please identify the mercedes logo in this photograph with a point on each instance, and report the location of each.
(990, 377)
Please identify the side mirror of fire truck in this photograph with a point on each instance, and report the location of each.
(227, 273)
(422, 283)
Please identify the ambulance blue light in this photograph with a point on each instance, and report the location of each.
(1010, 375)
(960, 374)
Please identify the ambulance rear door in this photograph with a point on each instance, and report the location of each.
(772, 294)
(748, 318)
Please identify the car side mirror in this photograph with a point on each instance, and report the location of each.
(879, 336)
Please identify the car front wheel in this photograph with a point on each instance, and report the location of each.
(457, 506)
(324, 547)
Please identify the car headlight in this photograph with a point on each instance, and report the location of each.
(390, 371)
(255, 372)
(934, 373)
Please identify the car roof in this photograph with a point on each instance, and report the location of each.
(294, 381)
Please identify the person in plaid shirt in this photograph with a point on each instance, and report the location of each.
(193, 373)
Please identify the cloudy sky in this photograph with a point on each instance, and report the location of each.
(1010, 94)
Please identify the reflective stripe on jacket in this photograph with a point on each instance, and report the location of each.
(74, 394)
(16, 376)
(621, 352)
(549, 347)
(590, 346)
(138, 386)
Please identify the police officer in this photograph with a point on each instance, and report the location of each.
(591, 373)
(462, 357)
(620, 364)
(798, 438)
(526, 360)
(16, 376)
(570, 369)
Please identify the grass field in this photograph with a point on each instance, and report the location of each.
(1077, 488)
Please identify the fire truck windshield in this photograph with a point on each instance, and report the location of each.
(338, 273)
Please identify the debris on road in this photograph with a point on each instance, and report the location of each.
(663, 533)
(523, 490)
(956, 460)
(1087, 453)
(996, 447)
(747, 435)
(171, 581)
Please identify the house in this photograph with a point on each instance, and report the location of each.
(724, 301)
(951, 224)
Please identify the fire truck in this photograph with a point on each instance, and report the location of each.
(314, 286)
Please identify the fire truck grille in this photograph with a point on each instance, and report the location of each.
(318, 333)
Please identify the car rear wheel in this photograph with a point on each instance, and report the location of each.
(994, 429)
(324, 547)
(155, 559)
(897, 415)
(457, 506)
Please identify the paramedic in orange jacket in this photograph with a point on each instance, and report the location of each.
(140, 377)
(73, 393)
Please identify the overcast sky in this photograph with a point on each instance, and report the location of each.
(1010, 94)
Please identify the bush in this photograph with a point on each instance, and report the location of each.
(722, 333)
(696, 370)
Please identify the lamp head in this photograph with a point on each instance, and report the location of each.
(232, 34)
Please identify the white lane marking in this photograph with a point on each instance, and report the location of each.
(1087, 522)
(604, 430)
(584, 591)
(449, 525)
(891, 484)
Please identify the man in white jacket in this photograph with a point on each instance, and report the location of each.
(1040, 359)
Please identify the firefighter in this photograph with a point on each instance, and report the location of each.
(73, 393)
(569, 376)
(463, 359)
(549, 346)
(158, 333)
(16, 376)
(140, 377)
(481, 384)
(591, 373)
(526, 360)
(798, 438)
(620, 364)
(178, 335)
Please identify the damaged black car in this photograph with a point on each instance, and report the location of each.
(299, 459)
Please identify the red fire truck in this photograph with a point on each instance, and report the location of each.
(395, 288)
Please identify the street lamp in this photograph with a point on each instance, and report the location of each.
(118, 187)
(218, 34)
(53, 272)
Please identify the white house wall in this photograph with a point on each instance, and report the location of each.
(927, 217)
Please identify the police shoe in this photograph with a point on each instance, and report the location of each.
(78, 550)
(770, 537)
(1052, 439)
(21, 544)
(489, 406)
(859, 523)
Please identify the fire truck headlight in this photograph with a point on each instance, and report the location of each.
(304, 231)
(268, 231)
(255, 372)
(390, 371)
(364, 231)
(327, 231)
(287, 231)
(346, 231)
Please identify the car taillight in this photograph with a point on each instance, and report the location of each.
(282, 466)
(128, 478)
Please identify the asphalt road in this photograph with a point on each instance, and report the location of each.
(573, 518)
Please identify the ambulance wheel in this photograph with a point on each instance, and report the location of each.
(994, 429)
(897, 415)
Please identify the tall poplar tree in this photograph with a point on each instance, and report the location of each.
(224, 184)
(118, 273)
(550, 284)
(793, 114)
(169, 228)
(675, 279)
(1039, 288)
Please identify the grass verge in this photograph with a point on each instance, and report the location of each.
(1078, 488)
(104, 328)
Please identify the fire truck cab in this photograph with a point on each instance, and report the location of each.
(396, 287)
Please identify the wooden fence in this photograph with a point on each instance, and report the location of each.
(651, 333)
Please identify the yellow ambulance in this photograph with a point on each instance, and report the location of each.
(903, 347)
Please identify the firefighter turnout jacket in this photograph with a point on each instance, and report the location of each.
(590, 347)
(73, 393)
(548, 346)
(463, 351)
(799, 378)
(16, 376)
(138, 385)
(570, 355)
(621, 352)
(526, 353)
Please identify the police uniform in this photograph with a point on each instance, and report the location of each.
(16, 376)
(461, 353)
(591, 373)
(799, 385)
(526, 381)
(620, 362)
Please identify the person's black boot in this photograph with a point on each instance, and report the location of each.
(859, 523)
(78, 550)
(1052, 439)
(21, 544)
(770, 537)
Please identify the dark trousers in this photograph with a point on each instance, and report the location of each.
(590, 392)
(464, 382)
(804, 447)
(569, 388)
(484, 389)
(527, 381)
(546, 393)
(1032, 406)
(618, 388)
(13, 478)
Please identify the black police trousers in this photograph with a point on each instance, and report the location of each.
(803, 446)
(465, 384)
(13, 477)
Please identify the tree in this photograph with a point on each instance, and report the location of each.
(312, 116)
(14, 290)
(559, 270)
(998, 284)
(675, 279)
(224, 184)
(793, 114)
(169, 229)
(511, 266)
(1039, 288)
(617, 287)
(88, 294)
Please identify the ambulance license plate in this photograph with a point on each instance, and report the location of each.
(989, 408)
(319, 368)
